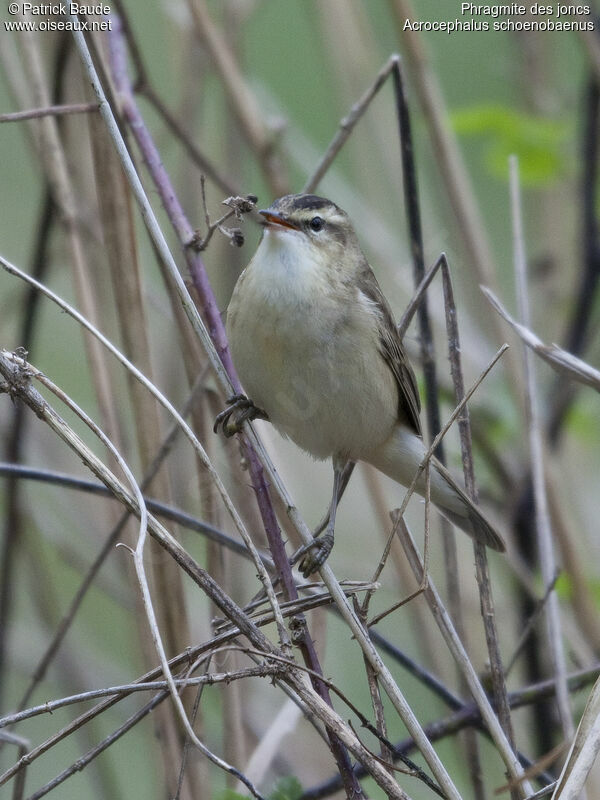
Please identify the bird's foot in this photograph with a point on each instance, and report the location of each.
(240, 409)
(314, 554)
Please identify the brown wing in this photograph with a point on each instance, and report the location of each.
(392, 350)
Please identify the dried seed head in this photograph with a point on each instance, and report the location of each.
(237, 237)
(241, 205)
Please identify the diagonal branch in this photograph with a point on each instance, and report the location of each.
(560, 360)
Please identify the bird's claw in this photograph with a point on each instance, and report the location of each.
(314, 554)
(242, 409)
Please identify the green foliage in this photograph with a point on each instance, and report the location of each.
(582, 420)
(537, 141)
(288, 788)
(564, 586)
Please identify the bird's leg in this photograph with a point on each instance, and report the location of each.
(315, 554)
(347, 471)
(241, 408)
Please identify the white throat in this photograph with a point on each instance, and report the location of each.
(285, 263)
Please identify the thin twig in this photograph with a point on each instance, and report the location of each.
(243, 101)
(398, 516)
(538, 767)
(435, 444)
(458, 652)
(238, 206)
(413, 214)
(415, 301)
(187, 745)
(217, 342)
(292, 608)
(49, 111)
(13, 270)
(416, 771)
(138, 555)
(22, 372)
(577, 334)
(209, 679)
(469, 715)
(479, 549)
(88, 757)
(17, 385)
(423, 584)
(347, 125)
(526, 632)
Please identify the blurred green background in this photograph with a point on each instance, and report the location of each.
(305, 62)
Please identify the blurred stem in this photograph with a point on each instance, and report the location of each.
(562, 392)
(450, 162)
(144, 86)
(243, 102)
(534, 425)
(118, 233)
(15, 439)
(576, 336)
(54, 162)
(17, 428)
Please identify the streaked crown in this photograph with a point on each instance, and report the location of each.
(319, 218)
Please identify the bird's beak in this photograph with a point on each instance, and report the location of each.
(272, 218)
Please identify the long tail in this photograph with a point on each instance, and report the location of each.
(400, 457)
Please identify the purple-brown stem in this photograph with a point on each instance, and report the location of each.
(216, 329)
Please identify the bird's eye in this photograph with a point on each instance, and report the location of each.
(317, 224)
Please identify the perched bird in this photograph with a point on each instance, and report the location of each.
(318, 352)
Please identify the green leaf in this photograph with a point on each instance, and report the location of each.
(595, 590)
(537, 141)
(564, 586)
(581, 421)
(288, 788)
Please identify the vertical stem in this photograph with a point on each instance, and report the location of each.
(481, 562)
(542, 516)
(575, 338)
(411, 199)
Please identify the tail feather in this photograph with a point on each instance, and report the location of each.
(471, 521)
(399, 458)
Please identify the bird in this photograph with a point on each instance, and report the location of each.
(318, 353)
